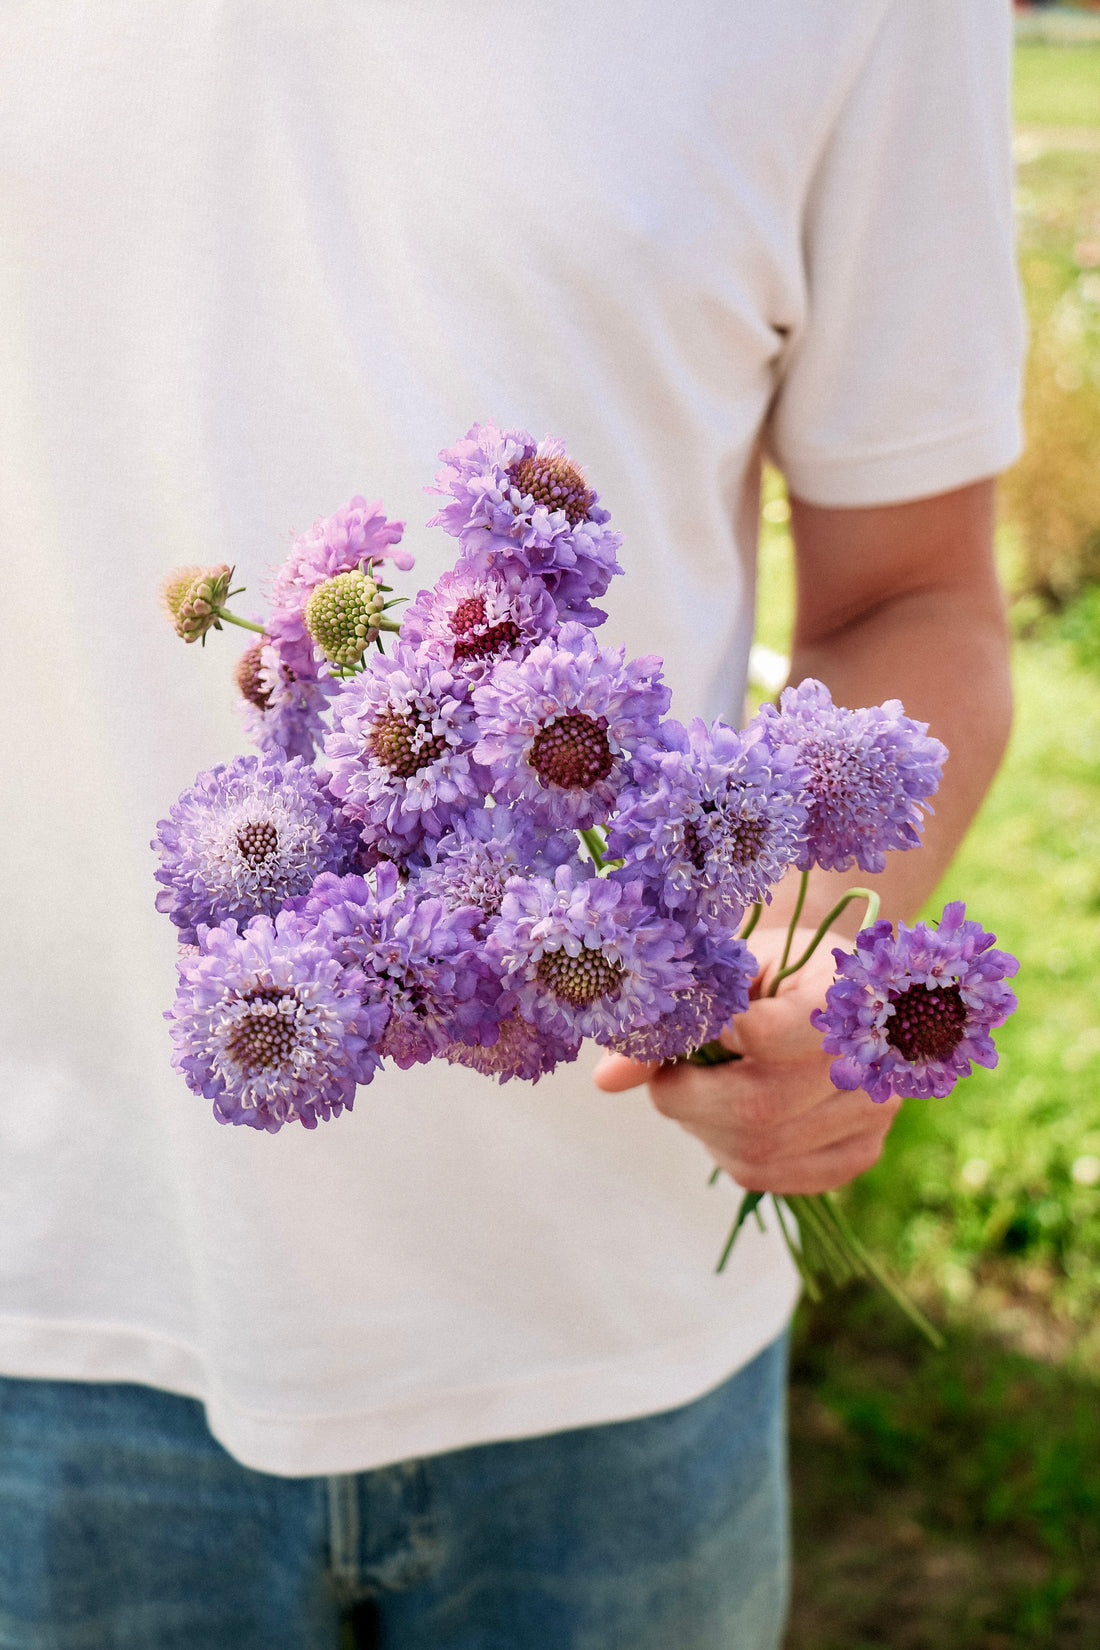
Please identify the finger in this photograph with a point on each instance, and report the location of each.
(778, 1028)
(752, 1093)
(616, 1073)
(820, 1171)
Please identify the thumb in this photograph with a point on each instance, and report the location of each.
(617, 1072)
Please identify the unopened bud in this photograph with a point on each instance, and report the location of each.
(192, 596)
(342, 617)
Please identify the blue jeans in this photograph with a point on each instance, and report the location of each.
(125, 1526)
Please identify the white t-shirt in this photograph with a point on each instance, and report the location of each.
(255, 259)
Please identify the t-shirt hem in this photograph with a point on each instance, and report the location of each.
(906, 470)
(432, 1423)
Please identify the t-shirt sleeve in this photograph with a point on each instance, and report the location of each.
(902, 378)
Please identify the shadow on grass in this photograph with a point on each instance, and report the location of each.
(942, 1501)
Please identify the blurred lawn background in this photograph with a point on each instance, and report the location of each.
(952, 1501)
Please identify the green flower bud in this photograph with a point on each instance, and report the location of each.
(342, 617)
(192, 596)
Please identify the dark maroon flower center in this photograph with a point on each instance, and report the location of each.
(257, 840)
(573, 750)
(740, 841)
(266, 1034)
(404, 744)
(247, 675)
(555, 483)
(926, 1025)
(580, 980)
(475, 639)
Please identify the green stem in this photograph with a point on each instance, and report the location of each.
(387, 624)
(793, 924)
(881, 1276)
(245, 624)
(595, 844)
(753, 920)
(872, 898)
(750, 1204)
(810, 1283)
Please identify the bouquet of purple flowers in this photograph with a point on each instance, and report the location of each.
(492, 843)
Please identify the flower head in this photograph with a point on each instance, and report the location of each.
(269, 1025)
(358, 536)
(192, 597)
(512, 500)
(521, 1050)
(723, 968)
(867, 772)
(588, 957)
(401, 753)
(244, 839)
(418, 959)
(283, 714)
(907, 1016)
(472, 864)
(715, 821)
(557, 727)
(473, 617)
(342, 616)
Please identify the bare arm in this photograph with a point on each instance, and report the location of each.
(894, 601)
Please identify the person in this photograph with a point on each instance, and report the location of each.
(459, 1361)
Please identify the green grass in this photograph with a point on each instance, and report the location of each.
(942, 1501)
(1057, 85)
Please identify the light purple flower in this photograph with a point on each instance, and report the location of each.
(401, 751)
(512, 500)
(521, 1050)
(270, 1026)
(868, 771)
(355, 535)
(723, 969)
(245, 838)
(907, 1016)
(418, 959)
(471, 865)
(715, 822)
(586, 958)
(472, 618)
(556, 728)
(283, 714)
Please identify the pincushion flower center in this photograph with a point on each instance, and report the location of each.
(580, 980)
(476, 640)
(926, 1025)
(404, 744)
(266, 1034)
(572, 750)
(257, 841)
(248, 676)
(555, 483)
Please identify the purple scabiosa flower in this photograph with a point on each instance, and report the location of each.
(418, 959)
(715, 821)
(282, 714)
(244, 839)
(868, 771)
(557, 727)
(723, 969)
(521, 1050)
(472, 863)
(270, 1026)
(356, 535)
(473, 617)
(401, 751)
(514, 500)
(586, 958)
(906, 1016)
